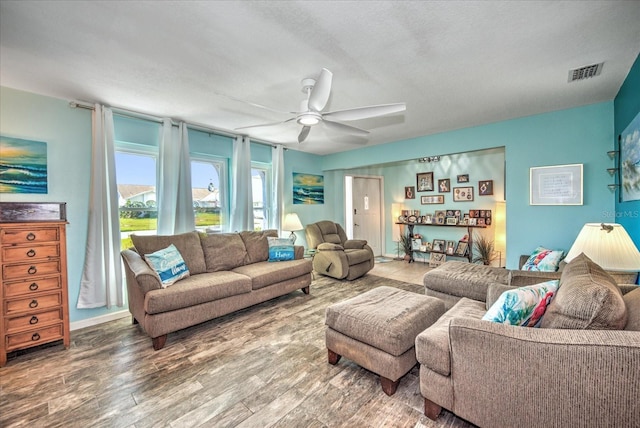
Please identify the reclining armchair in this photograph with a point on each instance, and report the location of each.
(337, 256)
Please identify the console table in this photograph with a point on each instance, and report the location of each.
(469, 235)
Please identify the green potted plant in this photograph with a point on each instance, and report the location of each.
(483, 250)
(405, 242)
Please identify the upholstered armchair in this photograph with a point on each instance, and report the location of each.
(337, 256)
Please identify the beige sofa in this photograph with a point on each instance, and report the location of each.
(336, 255)
(228, 272)
(580, 369)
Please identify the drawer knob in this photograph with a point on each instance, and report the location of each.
(33, 286)
(33, 320)
(32, 270)
(33, 304)
(35, 336)
(31, 253)
(31, 236)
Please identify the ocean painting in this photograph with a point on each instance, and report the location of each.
(308, 189)
(630, 161)
(23, 166)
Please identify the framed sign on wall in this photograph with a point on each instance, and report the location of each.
(556, 185)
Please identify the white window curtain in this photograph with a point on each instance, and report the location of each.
(277, 168)
(175, 199)
(101, 283)
(241, 190)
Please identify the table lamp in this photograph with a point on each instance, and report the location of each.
(611, 247)
(292, 224)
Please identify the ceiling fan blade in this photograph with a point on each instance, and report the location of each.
(304, 133)
(265, 124)
(341, 127)
(366, 112)
(321, 91)
(253, 104)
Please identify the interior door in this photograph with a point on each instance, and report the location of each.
(367, 209)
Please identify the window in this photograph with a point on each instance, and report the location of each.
(136, 182)
(208, 183)
(261, 184)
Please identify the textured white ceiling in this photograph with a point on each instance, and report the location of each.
(455, 64)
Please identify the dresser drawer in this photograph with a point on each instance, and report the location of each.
(32, 321)
(25, 270)
(32, 304)
(13, 289)
(34, 337)
(26, 235)
(35, 252)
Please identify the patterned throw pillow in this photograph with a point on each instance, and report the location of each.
(544, 260)
(168, 264)
(517, 306)
(280, 249)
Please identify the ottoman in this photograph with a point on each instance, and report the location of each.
(377, 330)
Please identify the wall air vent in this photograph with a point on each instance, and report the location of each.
(583, 73)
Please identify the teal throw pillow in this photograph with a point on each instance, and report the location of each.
(168, 264)
(544, 260)
(522, 306)
(280, 249)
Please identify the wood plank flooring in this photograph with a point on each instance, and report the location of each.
(260, 367)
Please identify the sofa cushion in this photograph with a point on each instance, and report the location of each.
(432, 345)
(632, 302)
(588, 298)
(463, 279)
(263, 274)
(223, 251)
(256, 244)
(516, 306)
(280, 249)
(195, 290)
(187, 243)
(168, 264)
(544, 260)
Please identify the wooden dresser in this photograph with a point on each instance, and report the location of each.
(35, 302)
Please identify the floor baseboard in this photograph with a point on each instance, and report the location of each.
(89, 322)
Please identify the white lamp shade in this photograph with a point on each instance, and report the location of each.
(612, 250)
(291, 223)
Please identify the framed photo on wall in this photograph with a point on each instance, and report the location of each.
(485, 187)
(424, 181)
(628, 170)
(434, 199)
(463, 194)
(444, 185)
(409, 192)
(463, 178)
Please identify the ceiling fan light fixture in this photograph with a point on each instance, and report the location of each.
(309, 119)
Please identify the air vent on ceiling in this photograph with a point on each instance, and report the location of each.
(583, 73)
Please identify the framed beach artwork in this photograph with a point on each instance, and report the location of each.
(308, 189)
(630, 161)
(23, 166)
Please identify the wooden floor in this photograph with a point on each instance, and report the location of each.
(263, 366)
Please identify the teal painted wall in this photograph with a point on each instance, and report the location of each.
(579, 135)
(627, 106)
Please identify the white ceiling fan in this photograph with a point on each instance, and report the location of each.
(311, 114)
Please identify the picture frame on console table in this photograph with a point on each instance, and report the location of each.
(556, 185)
(436, 259)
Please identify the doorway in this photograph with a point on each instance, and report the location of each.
(364, 214)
